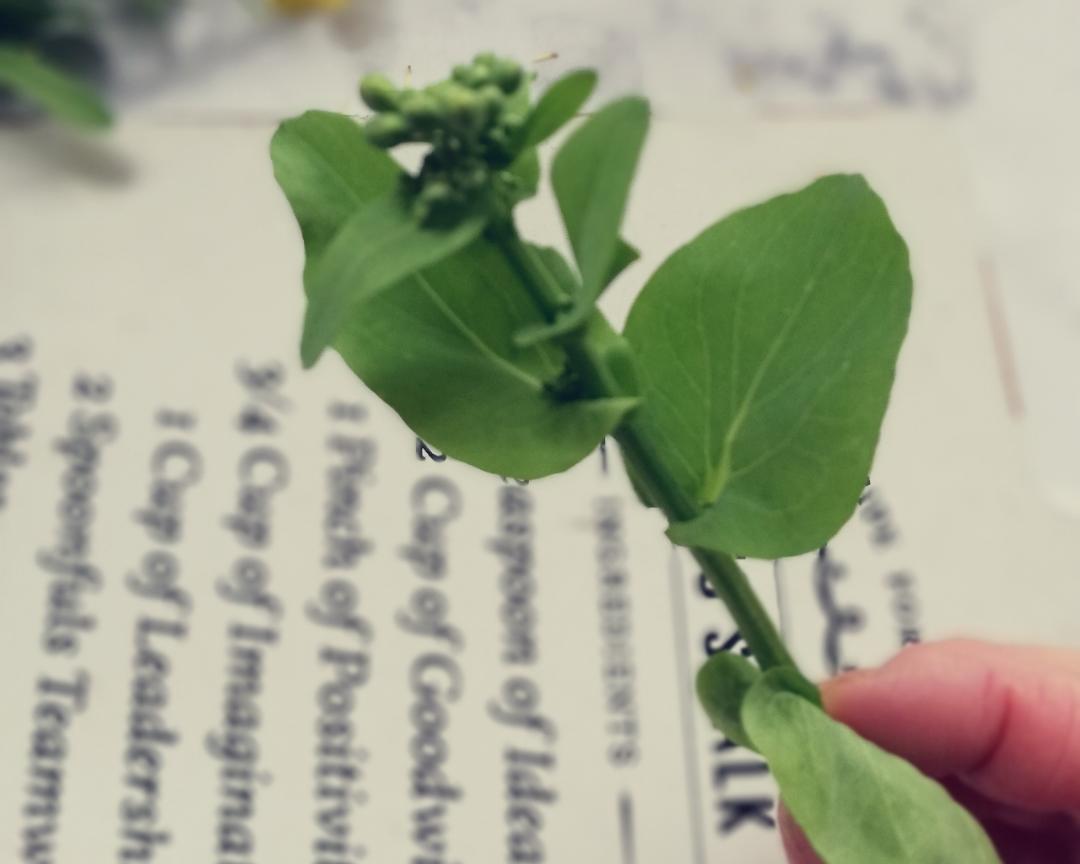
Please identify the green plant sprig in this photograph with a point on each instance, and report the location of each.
(746, 392)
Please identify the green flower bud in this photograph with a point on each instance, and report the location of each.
(481, 77)
(434, 201)
(512, 123)
(499, 137)
(463, 106)
(507, 74)
(378, 93)
(437, 192)
(485, 58)
(473, 75)
(475, 178)
(387, 130)
(492, 99)
(421, 109)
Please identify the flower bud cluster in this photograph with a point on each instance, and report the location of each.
(471, 122)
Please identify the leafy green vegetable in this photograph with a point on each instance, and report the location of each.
(591, 176)
(557, 106)
(63, 96)
(746, 394)
(766, 350)
(856, 803)
(380, 244)
(438, 348)
(722, 684)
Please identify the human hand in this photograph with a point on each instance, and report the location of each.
(998, 725)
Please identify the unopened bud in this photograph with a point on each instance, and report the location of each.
(436, 192)
(435, 201)
(378, 93)
(492, 98)
(512, 123)
(474, 179)
(463, 106)
(507, 74)
(473, 76)
(387, 130)
(420, 108)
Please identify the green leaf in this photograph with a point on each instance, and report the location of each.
(439, 349)
(592, 185)
(591, 176)
(625, 255)
(438, 346)
(722, 684)
(380, 244)
(327, 168)
(66, 98)
(526, 171)
(551, 260)
(613, 353)
(856, 803)
(766, 350)
(561, 270)
(789, 678)
(557, 106)
(608, 346)
(638, 485)
(579, 314)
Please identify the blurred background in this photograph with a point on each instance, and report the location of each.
(148, 260)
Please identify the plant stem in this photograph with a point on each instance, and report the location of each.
(644, 459)
(723, 572)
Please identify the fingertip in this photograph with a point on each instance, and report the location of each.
(1004, 719)
(835, 692)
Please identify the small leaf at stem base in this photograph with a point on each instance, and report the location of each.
(722, 684)
(856, 803)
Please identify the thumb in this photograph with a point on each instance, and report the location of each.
(1003, 720)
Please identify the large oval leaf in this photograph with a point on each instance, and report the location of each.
(766, 351)
(438, 348)
(359, 236)
(856, 803)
